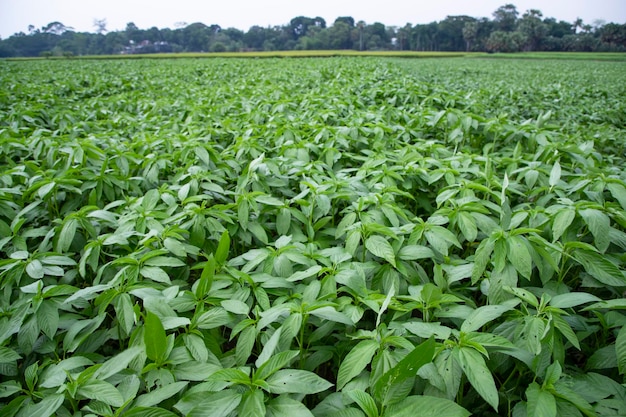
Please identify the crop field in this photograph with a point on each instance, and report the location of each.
(323, 237)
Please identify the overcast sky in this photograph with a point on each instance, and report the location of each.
(16, 15)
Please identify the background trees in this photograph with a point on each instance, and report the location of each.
(505, 32)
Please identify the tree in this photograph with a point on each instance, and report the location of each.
(533, 29)
(349, 20)
(505, 18)
(470, 31)
(100, 25)
(56, 28)
(339, 35)
(500, 41)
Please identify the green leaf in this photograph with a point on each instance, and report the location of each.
(221, 253)
(253, 404)
(219, 404)
(269, 348)
(474, 367)
(555, 174)
(379, 246)
(175, 246)
(553, 374)
(235, 306)
(259, 232)
(426, 330)
(562, 220)
(166, 261)
(481, 259)
(572, 299)
(467, 225)
(9, 388)
(101, 391)
(124, 312)
(415, 252)
(44, 408)
(206, 279)
(483, 315)
(365, 401)
(356, 361)
(540, 403)
(155, 274)
(283, 406)
(329, 313)
(8, 355)
(117, 363)
(599, 226)
(276, 362)
(519, 255)
(283, 221)
(34, 269)
(405, 369)
(620, 350)
(427, 406)
(619, 193)
(66, 236)
(159, 395)
(296, 381)
(148, 412)
(600, 268)
(154, 338)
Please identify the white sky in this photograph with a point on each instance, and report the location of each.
(16, 15)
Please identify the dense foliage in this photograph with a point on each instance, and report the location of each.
(508, 31)
(331, 237)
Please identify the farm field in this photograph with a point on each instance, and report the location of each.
(314, 237)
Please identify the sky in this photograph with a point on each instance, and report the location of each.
(17, 15)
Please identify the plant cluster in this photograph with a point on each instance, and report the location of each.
(320, 237)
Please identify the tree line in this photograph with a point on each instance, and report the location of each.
(506, 31)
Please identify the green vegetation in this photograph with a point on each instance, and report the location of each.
(326, 237)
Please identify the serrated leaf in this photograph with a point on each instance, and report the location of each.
(379, 246)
